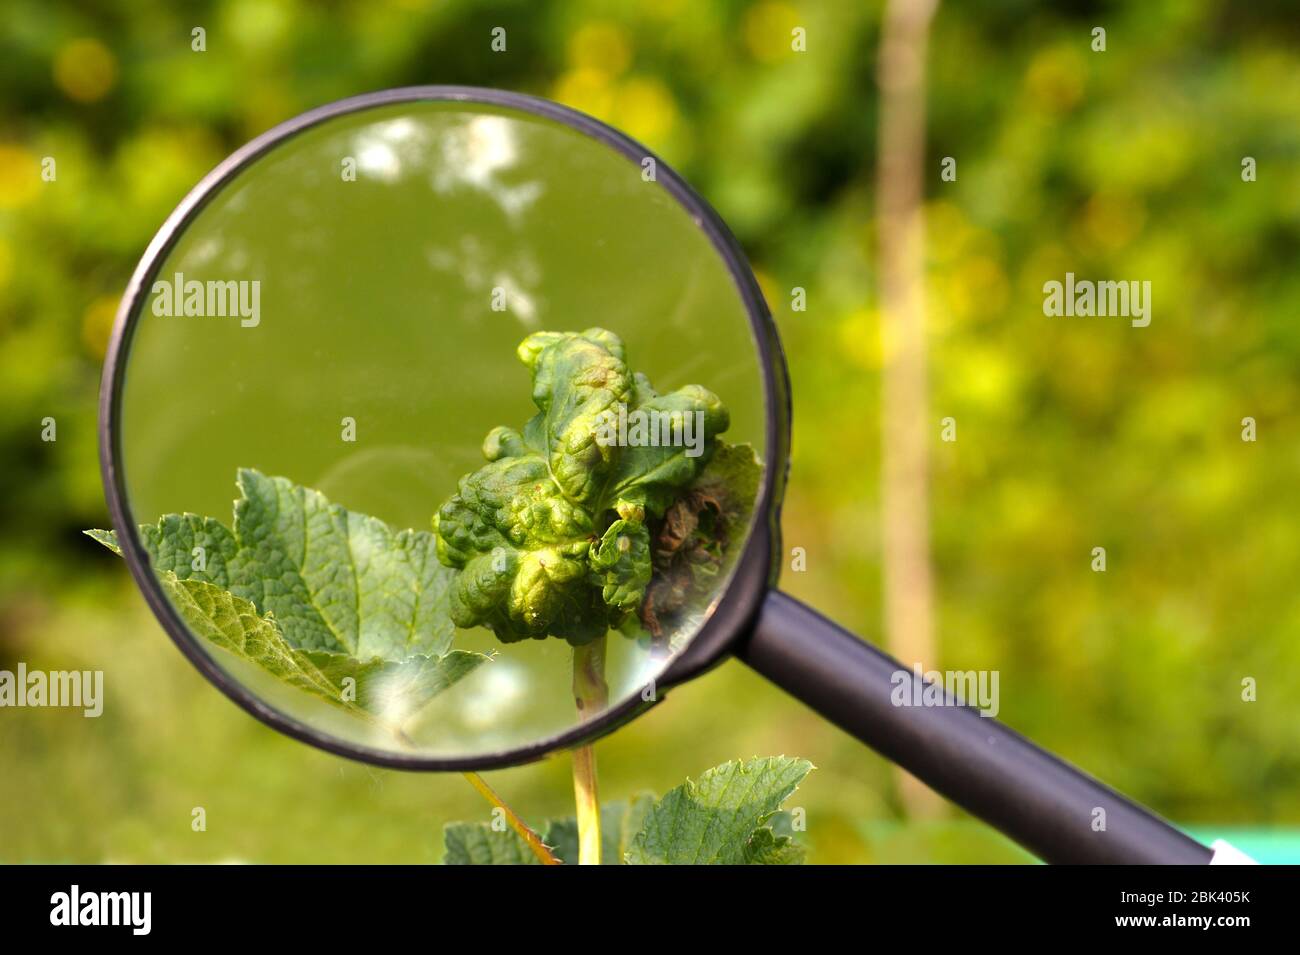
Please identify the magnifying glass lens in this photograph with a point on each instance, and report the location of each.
(364, 326)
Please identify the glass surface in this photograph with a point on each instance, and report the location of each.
(401, 254)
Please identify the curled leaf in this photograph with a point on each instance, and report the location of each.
(552, 537)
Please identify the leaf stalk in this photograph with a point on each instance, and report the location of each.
(533, 841)
(591, 694)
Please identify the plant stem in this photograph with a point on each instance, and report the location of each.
(591, 694)
(533, 841)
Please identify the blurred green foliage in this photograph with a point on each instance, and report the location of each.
(1072, 433)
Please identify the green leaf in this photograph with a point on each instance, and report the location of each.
(651, 473)
(335, 580)
(477, 843)
(719, 818)
(577, 378)
(191, 547)
(620, 563)
(521, 549)
(733, 476)
(392, 689)
(107, 538)
(234, 624)
(587, 398)
(729, 816)
(619, 823)
(773, 844)
(699, 540)
(335, 603)
(389, 690)
(549, 538)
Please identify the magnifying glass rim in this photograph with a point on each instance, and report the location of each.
(725, 621)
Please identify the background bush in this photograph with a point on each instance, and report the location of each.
(1072, 433)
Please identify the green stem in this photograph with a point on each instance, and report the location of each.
(591, 694)
(531, 838)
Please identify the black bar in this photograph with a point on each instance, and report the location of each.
(301, 906)
(992, 772)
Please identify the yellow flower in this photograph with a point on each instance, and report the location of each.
(587, 90)
(645, 108)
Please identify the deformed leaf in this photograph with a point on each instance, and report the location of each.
(699, 540)
(550, 537)
(732, 477)
(719, 818)
(652, 471)
(577, 378)
(620, 563)
(521, 550)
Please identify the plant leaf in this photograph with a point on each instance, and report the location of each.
(337, 580)
(334, 579)
(718, 819)
(620, 563)
(729, 816)
(699, 541)
(732, 476)
(387, 689)
(521, 551)
(477, 843)
(234, 624)
(577, 378)
(653, 474)
(172, 545)
(107, 538)
(531, 533)
(335, 603)
(619, 823)
(774, 844)
(391, 689)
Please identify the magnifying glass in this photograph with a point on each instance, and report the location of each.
(493, 310)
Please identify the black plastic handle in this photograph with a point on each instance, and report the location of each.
(1046, 805)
